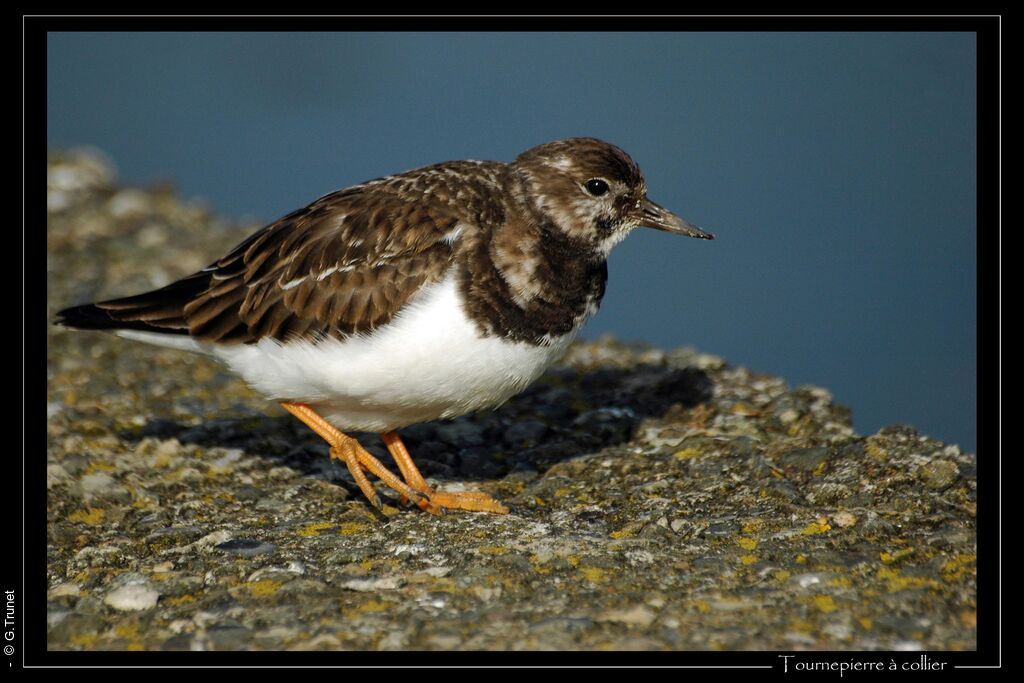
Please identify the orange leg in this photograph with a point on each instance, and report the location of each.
(464, 500)
(352, 453)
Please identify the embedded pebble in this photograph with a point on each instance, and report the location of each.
(132, 597)
(807, 459)
(939, 474)
(246, 546)
(638, 615)
(373, 585)
(98, 484)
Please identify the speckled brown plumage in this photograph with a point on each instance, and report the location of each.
(528, 242)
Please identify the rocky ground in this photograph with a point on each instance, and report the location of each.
(660, 499)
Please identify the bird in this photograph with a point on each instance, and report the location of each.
(418, 296)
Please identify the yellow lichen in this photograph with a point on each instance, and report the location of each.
(162, 461)
(801, 626)
(539, 564)
(444, 585)
(315, 528)
(753, 526)
(816, 528)
(958, 567)
(90, 516)
(263, 588)
(875, 452)
(491, 550)
(594, 574)
(686, 454)
(746, 543)
(126, 631)
(901, 553)
(368, 607)
(84, 639)
(825, 603)
(748, 559)
(202, 373)
(352, 528)
(896, 582)
(143, 503)
(178, 600)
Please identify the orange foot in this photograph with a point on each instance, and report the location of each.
(415, 488)
(475, 501)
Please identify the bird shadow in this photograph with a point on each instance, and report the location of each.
(566, 413)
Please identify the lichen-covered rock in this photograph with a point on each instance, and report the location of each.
(659, 499)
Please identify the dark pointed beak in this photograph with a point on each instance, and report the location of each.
(660, 218)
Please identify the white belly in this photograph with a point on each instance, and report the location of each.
(430, 362)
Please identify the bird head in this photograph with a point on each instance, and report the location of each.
(594, 192)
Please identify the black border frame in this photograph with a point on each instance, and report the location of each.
(31, 641)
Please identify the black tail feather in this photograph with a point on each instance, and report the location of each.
(92, 317)
(162, 310)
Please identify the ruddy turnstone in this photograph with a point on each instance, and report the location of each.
(418, 296)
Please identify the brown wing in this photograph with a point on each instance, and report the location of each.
(344, 264)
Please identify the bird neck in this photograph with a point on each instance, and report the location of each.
(529, 281)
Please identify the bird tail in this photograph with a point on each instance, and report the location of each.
(160, 311)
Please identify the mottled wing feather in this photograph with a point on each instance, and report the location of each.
(345, 264)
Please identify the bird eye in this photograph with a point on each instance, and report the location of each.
(597, 187)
